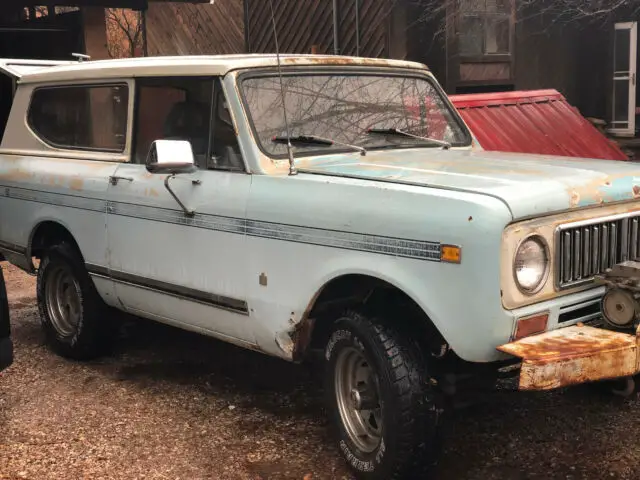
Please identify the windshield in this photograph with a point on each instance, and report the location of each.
(345, 107)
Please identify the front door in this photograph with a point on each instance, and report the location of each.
(624, 79)
(180, 269)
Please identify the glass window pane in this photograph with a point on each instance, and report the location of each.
(621, 100)
(473, 6)
(81, 116)
(470, 37)
(174, 108)
(498, 6)
(344, 107)
(225, 151)
(622, 52)
(497, 35)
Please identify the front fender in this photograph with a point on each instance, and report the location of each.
(303, 248)
(468, 315)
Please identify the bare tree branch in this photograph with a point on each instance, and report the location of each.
(124, 32)
(446, 12)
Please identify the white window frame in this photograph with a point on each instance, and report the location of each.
(626, 128)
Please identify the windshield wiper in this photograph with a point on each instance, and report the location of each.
(312, 140)
(402, 133)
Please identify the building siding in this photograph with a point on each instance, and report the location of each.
(304, 26)
(192, 29)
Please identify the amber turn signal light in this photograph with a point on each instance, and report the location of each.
(531, 325)
(450, 253)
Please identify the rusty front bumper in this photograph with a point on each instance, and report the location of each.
(573, 355)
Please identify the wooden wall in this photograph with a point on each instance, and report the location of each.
(572, 58)
(305, 24)
(192, 29)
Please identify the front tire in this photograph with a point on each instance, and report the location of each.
(73, 316)
(380, 398)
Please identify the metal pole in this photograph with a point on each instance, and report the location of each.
(247, 33)
(336, 46)
(357, 28)
(145, 50)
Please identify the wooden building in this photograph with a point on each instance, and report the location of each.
(470, 45)
(192, 28)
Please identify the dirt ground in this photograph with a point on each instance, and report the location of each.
(173, 405)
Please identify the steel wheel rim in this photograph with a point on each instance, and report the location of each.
(62, 294)
(357, 395)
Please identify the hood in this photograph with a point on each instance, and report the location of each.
(530, 185)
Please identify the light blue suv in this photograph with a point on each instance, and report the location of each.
(327, 203)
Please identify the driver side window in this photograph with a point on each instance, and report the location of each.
(187, 108)
(225, 151)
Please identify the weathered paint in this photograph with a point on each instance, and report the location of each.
(214, 65)
(546, 227)
(530, 185)
(76, 184)
(348, 61)
(574, 355)
(125, 228)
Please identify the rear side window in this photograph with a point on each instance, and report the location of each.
(81, 117)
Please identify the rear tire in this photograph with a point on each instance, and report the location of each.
(380, 399)
(73, 316)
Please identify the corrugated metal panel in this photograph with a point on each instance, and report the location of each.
(188, 29)
(538, 121)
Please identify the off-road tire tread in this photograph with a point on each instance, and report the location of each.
(415, 455)
(97, 331)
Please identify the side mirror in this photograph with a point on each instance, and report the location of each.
(171, 157)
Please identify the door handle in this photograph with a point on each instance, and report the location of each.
(114, 179)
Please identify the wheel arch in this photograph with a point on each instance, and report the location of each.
(362, 290)
(46, 233)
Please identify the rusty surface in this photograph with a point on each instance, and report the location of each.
(15, 175)
(597, 190)
(76, 184)
(573, 355)
(546, 227)
(339, 60)
(301, 337)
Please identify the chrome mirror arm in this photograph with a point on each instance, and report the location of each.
(187, 212)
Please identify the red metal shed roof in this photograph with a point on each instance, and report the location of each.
(537, 121)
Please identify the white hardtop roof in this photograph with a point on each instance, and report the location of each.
(18, 68)
(195, 65)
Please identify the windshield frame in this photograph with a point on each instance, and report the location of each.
(350, 71)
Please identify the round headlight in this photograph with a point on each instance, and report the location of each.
(531, 264)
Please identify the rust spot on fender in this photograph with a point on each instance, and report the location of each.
(598, 190)
(76, 184)
(52, 180)
(301, 337)
(575, 199)
(153, 192)
(574, 355)
(15, 175)
(303, 331)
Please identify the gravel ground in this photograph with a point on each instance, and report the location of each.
(173, 405)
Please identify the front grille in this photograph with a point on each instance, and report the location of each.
(583, 312)
(589, 248)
